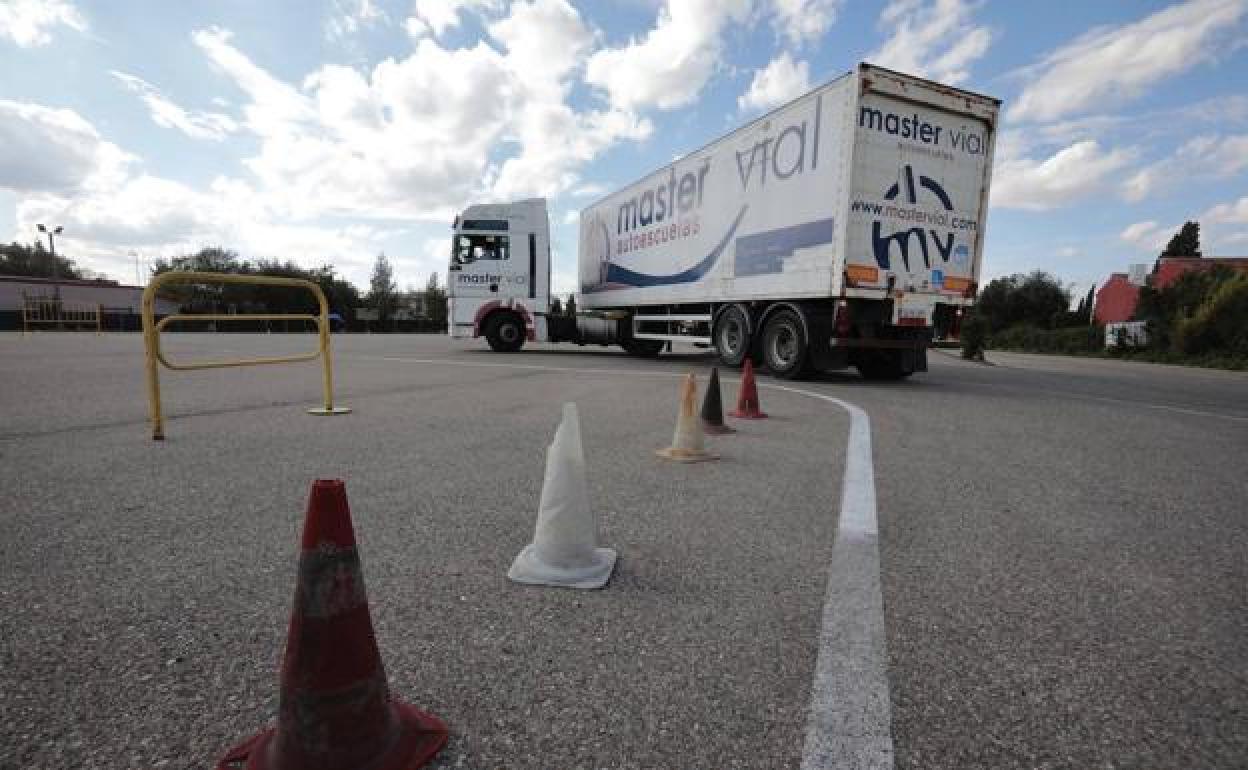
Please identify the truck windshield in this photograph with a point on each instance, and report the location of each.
(470, 248)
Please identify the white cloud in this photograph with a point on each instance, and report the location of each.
(403, 140)
(347, 17)
(1119, 63)
(1138, 231)
(937, 40)
(195, 124)
(1228, 213)
(571, 217)
(29, 23)
(1202, 156)
(1075, 172)
(438, 16)
(588, 190)
(781, 80)
(1151, 237)
(46, 150)
(407, 141)
(669, 66)
(804, 21)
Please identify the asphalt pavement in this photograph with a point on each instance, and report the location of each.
(1062, 550)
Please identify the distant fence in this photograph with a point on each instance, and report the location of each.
(124, 319)
(54, 312)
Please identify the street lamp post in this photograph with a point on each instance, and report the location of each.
(52, 233)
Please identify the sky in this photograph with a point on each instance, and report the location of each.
(329, 131)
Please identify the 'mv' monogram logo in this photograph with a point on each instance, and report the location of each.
(881, 243)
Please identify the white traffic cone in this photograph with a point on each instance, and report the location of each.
(563, 551)
(689, 442)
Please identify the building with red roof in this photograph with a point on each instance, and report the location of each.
(1116, 300)
(1168, 269)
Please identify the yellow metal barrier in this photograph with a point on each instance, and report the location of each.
(54, 310)
(152, 330)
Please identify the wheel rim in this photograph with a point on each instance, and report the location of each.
(508, 332)
(784, 344)
(731, 335)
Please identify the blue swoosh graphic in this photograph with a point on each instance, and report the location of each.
(622, 275)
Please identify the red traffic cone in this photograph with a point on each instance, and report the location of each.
(747, 400)
(335, 710)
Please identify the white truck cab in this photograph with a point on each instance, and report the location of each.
(498, 280)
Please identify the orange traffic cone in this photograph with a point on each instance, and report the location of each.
(335, 710)
(747, 400)
(713, 407)
(688, 443)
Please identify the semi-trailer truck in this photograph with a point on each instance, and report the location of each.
(832, 232)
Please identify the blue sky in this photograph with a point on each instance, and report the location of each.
(327, 132)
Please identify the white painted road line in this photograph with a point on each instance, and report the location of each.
(849, 725)
(850, 721)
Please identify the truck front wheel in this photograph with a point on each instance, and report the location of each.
(505, 332)
(732, 336)
(785, 349)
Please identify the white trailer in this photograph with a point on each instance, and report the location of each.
(837, 230)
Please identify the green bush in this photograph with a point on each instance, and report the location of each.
(1031, 339)
(974, 336)
(1220, 324)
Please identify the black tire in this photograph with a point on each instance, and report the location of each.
(505, 332)
(882, 365)
(732, 336)
(786, 350)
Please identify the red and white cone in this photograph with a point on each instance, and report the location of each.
(747, 400)
(335, 710)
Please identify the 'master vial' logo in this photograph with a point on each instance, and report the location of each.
(881, 243)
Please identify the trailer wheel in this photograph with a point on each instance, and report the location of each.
(732, 336)
(505, 332)
(785, 348)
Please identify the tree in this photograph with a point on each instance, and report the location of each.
(556, 307)
(435, 300)
(383, 292)
(35, 262)
(1037, 299)
(1165, 309)
(569, 308)
(340, 294)
(1083, 314)
(1185, 243)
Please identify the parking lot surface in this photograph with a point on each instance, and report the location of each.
(1061, 555)
(147, 585)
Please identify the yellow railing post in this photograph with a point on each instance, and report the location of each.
(152, 329)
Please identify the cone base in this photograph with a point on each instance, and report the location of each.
(747, 415)
(420, 737)
(529, 568)
(686, 455)
(716, 430)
